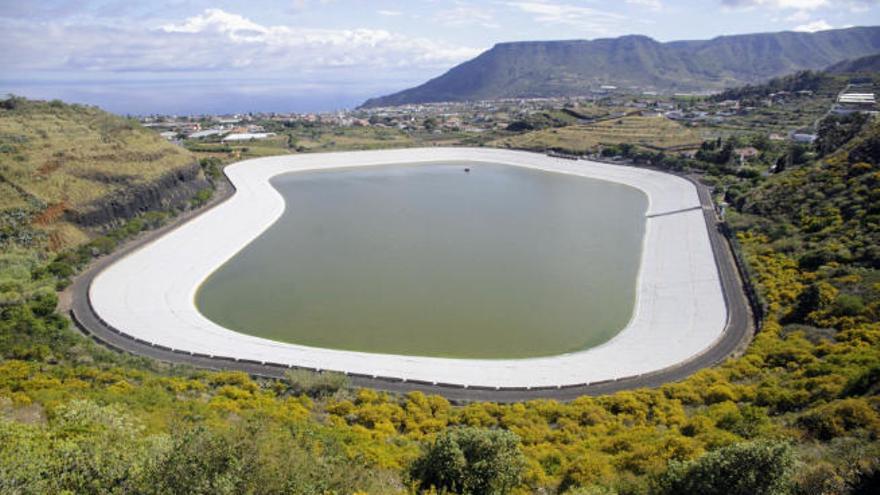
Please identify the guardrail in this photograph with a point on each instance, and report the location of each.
(746, 275)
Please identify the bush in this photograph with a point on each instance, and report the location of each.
(202, 197)
(256, 456)
(759, 468)
(848, 305)
(44, 303)
(316, 384)
(837, 418)
(863, 382)
(471, 461)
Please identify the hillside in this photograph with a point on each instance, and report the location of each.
(871, 63)
(564, 68)
(66, 170)
(798, 413)
(834, 206)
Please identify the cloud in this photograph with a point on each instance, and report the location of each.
(216, 40)
(216, 21)
(799, 16)
(812, 27)
(563, 13)
(778, 4)
(465, 14)
(651, 4)
(299, 5)
(854, 5)
(390, 13)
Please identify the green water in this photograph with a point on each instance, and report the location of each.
(501, 262)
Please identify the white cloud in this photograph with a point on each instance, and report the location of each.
(799, 16)
(812, 27)
(465, 14)
(778, 4)
(651, 4)
(220, 22)
(563, 13)
(802, 5)
(390, 13)
(304, 4)
(217, 40)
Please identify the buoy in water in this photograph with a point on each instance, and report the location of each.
(467, 170)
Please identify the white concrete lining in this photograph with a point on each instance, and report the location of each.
(680, 309)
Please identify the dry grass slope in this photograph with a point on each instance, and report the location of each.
(55, 157)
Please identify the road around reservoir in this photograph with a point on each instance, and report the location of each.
(733, 339)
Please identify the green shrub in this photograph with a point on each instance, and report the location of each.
(759, 468)
(848, 305)
(840, 417)
(315, 384)
(470, 461)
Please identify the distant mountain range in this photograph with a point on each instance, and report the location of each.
(566, 68)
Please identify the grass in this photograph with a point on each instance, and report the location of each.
(348, 138)
(56, 157)
(652, 132)
(10, 197)
(73, 154)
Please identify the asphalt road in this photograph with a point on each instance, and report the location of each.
(736, 336)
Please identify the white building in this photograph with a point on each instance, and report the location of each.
(207, 133)
(857, 98)
(247, 136)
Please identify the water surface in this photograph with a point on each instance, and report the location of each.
(500, 262)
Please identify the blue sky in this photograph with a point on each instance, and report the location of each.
(189, 56)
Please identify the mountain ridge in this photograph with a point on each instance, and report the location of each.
(571, 67)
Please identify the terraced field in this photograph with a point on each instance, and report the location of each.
(649, 132)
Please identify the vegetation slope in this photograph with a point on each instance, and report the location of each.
(797, 413)
(60, 163)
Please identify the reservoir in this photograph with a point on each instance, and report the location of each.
(431, 260)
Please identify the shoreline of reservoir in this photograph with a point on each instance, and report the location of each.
(680, 310)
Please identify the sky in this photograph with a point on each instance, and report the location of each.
(227, 56)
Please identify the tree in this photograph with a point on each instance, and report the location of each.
(757, 468)
(471, 461)
(867, 151)
(835, 131)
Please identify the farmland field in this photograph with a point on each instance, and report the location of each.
(653, 132)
